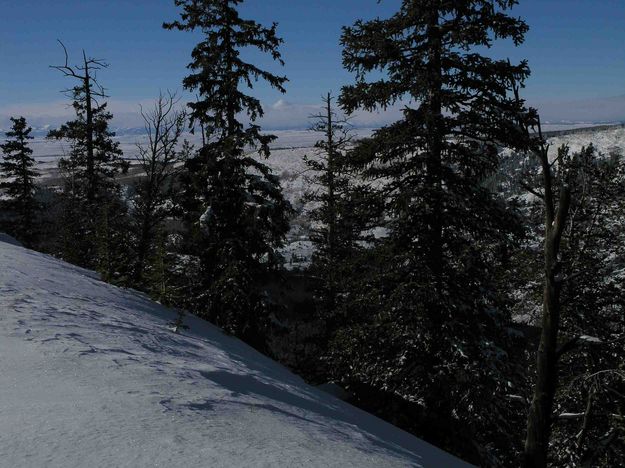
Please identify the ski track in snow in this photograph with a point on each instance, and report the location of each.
(90, 375)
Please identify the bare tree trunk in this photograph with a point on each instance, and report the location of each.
(540, 414)
(164, 125)
(435, 149)
(331, 203)
(91, 190)
(85, 74)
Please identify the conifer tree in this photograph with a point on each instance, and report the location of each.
(339, 210)
(19, 179)
(93, 161)
(333, 232)
(113, 255)
(437, 309)
(157, 271)
(240, 213)
(342, 208)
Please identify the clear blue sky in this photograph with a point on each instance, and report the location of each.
(576, 48)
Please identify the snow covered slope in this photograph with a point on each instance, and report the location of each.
(605, 140)
(90, 375)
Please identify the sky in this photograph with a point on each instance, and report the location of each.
(574, 48)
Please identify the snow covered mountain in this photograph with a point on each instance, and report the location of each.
(91, 375)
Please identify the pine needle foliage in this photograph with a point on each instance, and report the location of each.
(236, 203)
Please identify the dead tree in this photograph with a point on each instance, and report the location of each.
(556, 198)
(565, 187)
(557, 202)
(89, 85)
(164, 125)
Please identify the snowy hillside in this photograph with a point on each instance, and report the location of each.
(90, 375)
(605, 140)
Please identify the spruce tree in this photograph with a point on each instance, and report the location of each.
(342, 209)
(335, 232)
(19, 179)
(435, 310)
(338, 208)
(91, 165)
(114, 256)
(240, 213)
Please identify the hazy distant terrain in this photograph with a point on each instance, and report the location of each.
(287, 161)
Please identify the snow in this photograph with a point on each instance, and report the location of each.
(605, 141)
(287, 163)
(590, 339)
(297, 254)
(90, 375)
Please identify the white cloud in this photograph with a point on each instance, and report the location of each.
(280, 104)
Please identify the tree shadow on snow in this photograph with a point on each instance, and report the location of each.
(375, 431)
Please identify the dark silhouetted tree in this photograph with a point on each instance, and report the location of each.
(579, 373)
(16, 169)
(91, 165)
(335, 231)
(158, 159)
(240, 215)
(436, 332)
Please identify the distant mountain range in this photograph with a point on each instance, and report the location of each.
(41, 132)
(284, 115)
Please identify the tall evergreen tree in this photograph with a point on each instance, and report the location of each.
(336, 227)
(240, 213)
(438, 311)
(92, 164)
(340, 210)
(19, 179)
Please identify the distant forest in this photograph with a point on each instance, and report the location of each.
(467, 282)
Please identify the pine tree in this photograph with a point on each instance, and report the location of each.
(335, 231)
(94, 159)
(435, 311)
(240, 213)
(338, 209)
(19, 184)
(341, 212)
(113, 256)
(157, 271)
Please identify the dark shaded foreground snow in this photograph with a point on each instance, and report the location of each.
(90, 375)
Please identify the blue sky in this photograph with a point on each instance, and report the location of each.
(575, 49)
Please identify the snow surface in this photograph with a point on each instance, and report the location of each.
(90, 375)
(605, 141)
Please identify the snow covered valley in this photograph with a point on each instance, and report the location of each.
(287, 162)
(92, 376)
